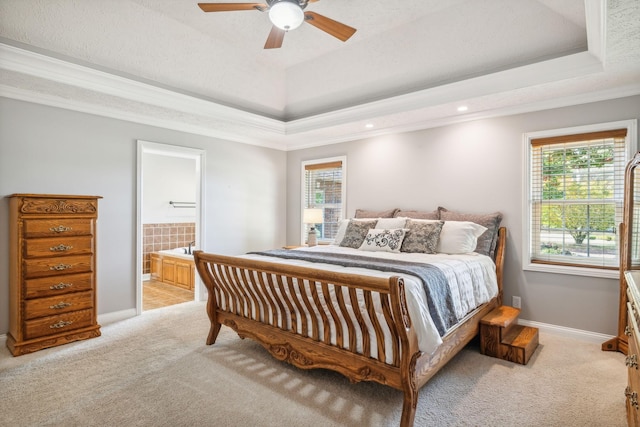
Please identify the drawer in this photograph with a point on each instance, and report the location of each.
(57, 266)
(60, 323)
(57, 246)
(57, 227)
(58, 285)
(49, 306)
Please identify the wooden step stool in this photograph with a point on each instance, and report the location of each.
(502, 337)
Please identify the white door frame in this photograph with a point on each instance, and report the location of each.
(146, 147)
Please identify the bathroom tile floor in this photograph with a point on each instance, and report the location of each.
(157, 294)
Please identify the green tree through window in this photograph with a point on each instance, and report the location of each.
(576, 198)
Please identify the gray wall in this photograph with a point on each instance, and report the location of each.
(474, 167)
(51, 150)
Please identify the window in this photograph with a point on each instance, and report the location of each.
(575, 198)
(324, 187)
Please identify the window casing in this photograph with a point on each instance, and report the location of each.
(575, 196)
(324, 187)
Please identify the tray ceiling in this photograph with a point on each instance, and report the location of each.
(410, 64)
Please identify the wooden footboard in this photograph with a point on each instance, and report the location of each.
(356, 325)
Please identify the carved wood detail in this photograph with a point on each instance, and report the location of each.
(57, 206)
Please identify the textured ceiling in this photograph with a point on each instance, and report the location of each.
(408, 58)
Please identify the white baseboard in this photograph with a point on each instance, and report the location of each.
(563, 331)
(116, 316)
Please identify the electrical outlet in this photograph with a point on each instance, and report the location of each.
(516, 302)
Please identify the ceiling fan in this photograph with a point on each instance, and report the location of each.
(286, 15)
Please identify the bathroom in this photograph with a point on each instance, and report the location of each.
(169, 228)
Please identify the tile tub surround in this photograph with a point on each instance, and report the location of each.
(161, 237)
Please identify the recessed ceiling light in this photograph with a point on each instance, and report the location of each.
(462, 108)
(369, 125)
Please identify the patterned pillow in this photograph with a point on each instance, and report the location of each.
(488, 240)
(419, 214)
(422, 236)
(356, 232)
(383, 240)
(363, 213)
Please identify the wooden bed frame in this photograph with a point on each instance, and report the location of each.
(250, 288)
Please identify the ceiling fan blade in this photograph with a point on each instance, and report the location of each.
(229, 7)
(336, 29)
(274, 41)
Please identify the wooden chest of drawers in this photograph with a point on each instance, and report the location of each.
(52, 271)
(633, 333)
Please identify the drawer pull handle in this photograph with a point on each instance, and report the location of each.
(60, 248)
(61, 285)
(60, 267)
(60, 229)
(61, 324)
(627, 331)
(60, 305)
(632, 396)
(631, 361)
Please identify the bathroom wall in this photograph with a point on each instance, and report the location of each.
(167, 179)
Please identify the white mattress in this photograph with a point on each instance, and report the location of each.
(471, 277)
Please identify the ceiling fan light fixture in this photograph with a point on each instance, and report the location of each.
(286, 14)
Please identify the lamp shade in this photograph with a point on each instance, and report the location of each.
(312, 216)
(286, 14)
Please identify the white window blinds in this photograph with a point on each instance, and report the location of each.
(323, 189)
(576, 198)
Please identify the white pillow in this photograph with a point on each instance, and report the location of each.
(383, 240)
(342, 229)
(459, 237)
(389, 223)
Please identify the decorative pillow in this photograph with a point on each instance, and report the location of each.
(383, 240)
(459, 237)
(355, 233)
(363, 213)
(422, 236)
(419, 214)
(487, 242)
(390, 223)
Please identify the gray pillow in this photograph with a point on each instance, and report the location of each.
(488, 240)
(419, 214)
(421, 237)
(356, 232)
(363, 213)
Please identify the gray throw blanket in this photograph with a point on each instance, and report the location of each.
(433, 279)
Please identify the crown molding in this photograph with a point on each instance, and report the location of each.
(54, 82)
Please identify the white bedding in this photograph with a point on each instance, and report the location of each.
(471, 277)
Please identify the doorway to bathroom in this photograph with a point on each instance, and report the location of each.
(170, 185)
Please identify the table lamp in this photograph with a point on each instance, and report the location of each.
(312, 217)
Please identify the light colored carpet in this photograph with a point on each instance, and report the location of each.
(155, 370)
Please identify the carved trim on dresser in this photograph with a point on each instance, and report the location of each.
(57, 206)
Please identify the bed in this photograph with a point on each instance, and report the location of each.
(361, 320)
